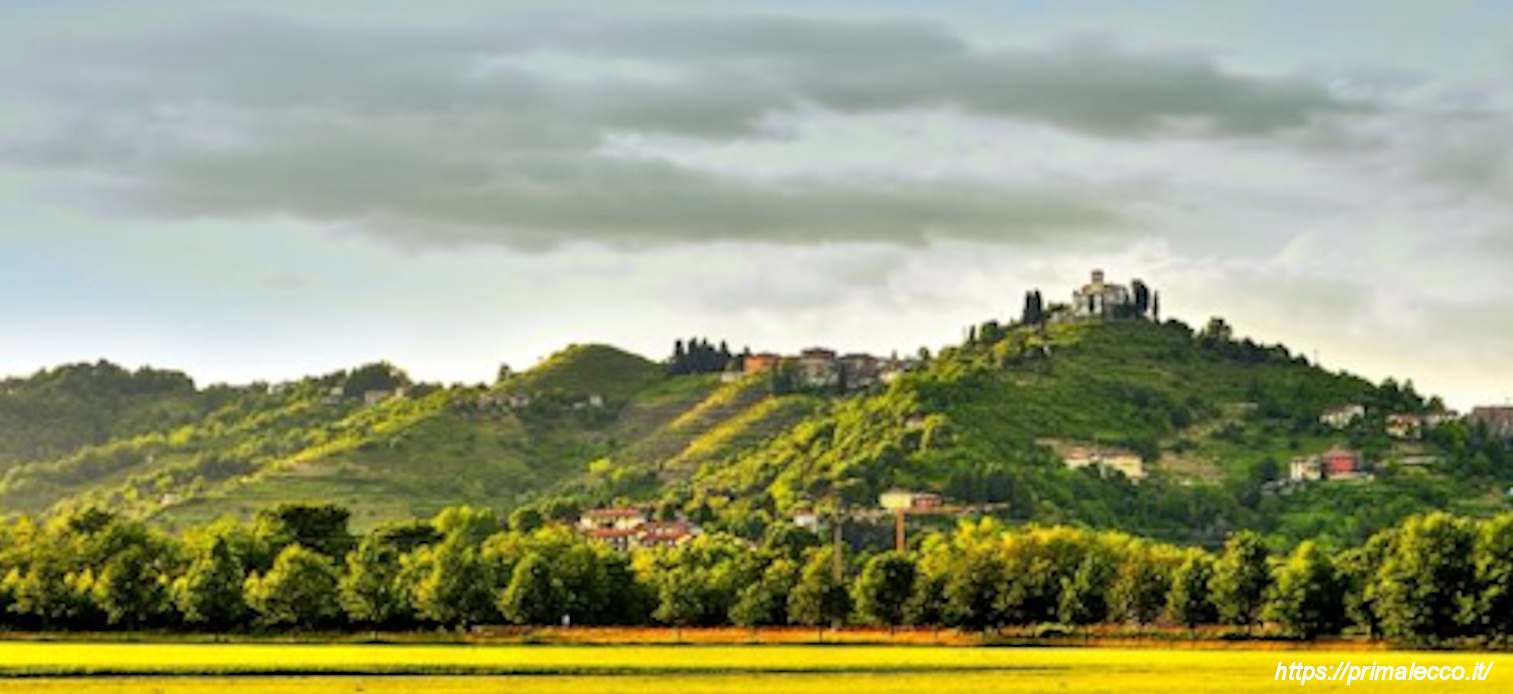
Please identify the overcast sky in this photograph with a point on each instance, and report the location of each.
(265, 190)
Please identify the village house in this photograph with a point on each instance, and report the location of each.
(1099, 299)
(612, 518)
(1498, 419)
(818, 368)
(1341, 417)
(859, 370)
(1128, 463)
(905, 500)
(665, 533)
(1305, 469)
(1341, 464)
(1413, 426)
(755, 364)
(627, 528)
(1334, 465)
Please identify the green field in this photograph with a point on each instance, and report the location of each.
(95, 667)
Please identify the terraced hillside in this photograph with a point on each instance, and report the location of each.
(986, 424)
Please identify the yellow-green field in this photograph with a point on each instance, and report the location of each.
(94, 668)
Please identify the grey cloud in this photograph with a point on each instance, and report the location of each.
(386, 128)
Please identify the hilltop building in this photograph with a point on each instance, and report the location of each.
(819, 368)
(1100, 299)
(755, 364)
(1497, 419)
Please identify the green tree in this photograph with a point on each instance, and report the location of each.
(300, 590)
(1241, 578)
(1308, 599)
(1427, 584)
(1084, 596)
(818, 598)
(454, 586)
(883, 589)
(372, 591)
(1494, 576)
(526, 519)
(132, 587)
(1189, 603)
(209, 593)
(1359, 570)
(765, 601)
(531, 597)
(1139, 589)
(317, 527)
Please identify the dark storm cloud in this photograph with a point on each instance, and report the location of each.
(449, 133)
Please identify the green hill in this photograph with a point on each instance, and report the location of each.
(986, 424)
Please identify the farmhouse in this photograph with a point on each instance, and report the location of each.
(1128, 463)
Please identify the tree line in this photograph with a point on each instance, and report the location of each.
(1436, 578)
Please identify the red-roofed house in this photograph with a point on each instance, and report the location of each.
(1341, 463)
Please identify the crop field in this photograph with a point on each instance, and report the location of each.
(273, 668)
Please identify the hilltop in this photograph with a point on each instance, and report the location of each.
(1178, 433)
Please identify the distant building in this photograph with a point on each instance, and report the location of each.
(1497, 418)
(620, 539)
(819, 368)
(665, 533)
(859, 370)
(1413, 426)
(1340, 463)
(1100, 299)
(612, 518)
(905, 500)
(627, 528)
(760, 363)
(1344, 416)
(1128, 463)
(1305, 469)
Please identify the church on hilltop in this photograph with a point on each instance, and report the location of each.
(1102, 299)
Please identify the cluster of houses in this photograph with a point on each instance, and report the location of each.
(1335, 464)
(1498, 420)
(627, 528)
(520, 401)
(337, 394)
(821, 368)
